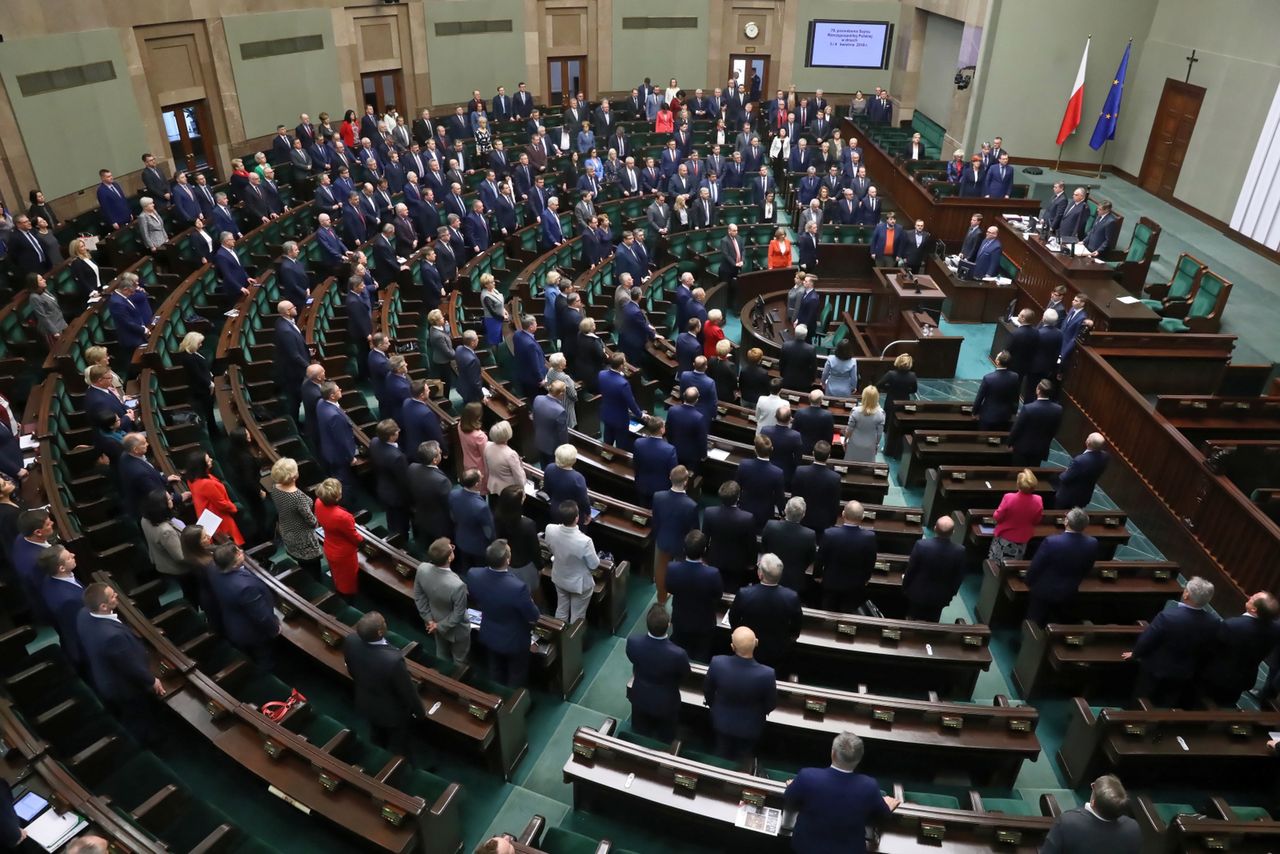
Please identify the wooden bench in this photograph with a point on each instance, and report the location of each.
(1205, 417)
(974, 530)
(1114, 591)
(929, 449)
(943, 416)
(1076, 660)
(951, 488)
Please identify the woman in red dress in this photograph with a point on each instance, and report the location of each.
(209, 493)
(341, 539)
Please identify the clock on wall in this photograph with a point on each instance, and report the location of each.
(751, 30)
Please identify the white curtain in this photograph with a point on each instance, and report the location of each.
(1257, 208)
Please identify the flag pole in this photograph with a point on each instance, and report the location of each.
(1057, 165)
(1103, 158)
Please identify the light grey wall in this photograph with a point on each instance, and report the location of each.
(681, 54)
(938, 67)
(836, 79)
(103, 115)
(1239, 67)
(460, 64)
(1034, 50)
(275, 89)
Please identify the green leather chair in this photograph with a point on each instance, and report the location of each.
(1180, 287)
(1204, 314)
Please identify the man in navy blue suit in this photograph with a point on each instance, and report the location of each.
(687, 430)
(814, 422)
(934, 573)
(291, 358)
(652, 458)
(1174, 649)
(697, 589)
(732, 534)
(62, 598)
(119, 668)
(418, 421)
(658, 666)
(688, 347)
(1101, 239)
(706, 386)
(507, 613)
(1240, 646)
(846, 560)
(819, 485)
(1071, 226)
(232, 276)
(675, 514)
(741, 692)
(295, 284)
(112, 201)
(762, 483)
(550, 422)
(987, 261)
(1034, 428)
(788, 446)
(834, 805)
(999, 182)
(470, 384)
(807, 244)
(224, 219)
(530, 370)
(634, 330)
(562, 483)
(1059, 565)
(246, 605)
(810, 304)
(359, 323)
(552, 232)
(1023, 343)
(472, 519)
(1076, 484)
(337, 440)
(770, 610)
(137, 475)
(1073, 324)
(998, 394)
(131, 315)
(617, 404)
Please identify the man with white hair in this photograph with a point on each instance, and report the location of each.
(291, 357)
(1044, 361)
(791, 541)
(1061, 562)
(1076, 484)
(770, 610)
(833, 805)
(1173, 650)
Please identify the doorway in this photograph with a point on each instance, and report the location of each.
(384, 89)
(747, 66)
(189, 128)
(565, 77)
(1170, 136)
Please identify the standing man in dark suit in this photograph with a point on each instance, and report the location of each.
(429, 488)
(986, 261)
(770, 610)
(1053, 209)
(618, 404)
(675, 514)
(138, 475)
(359, 323)
(391, 475)
(658, 667)
(934, 572)
(697, 589)
(810, 306)
(1103, 824)
(788, 446)
(916, 246)
(972, 239)
(686, 430)
(798, 363)
(1101, 238)
(1076, 484)
(247, 606)
(741, 692)
(1174, 648)
(508, 613)
(1073, 324)
(337, 439)
(762, 483)
(1059, 565)
(653, 458)
(997, 398)
(819, 485)
(731, 532)
(708, 397)
(119, 668)
(794, 544)
(291, 359)
(311, 394)
(472, 519)
(815, 424)
(1240, 646)
(385, 695)
(63, 598)
(418, 421)
(1034, 428)
(846, 561)
(470, 380)
(530, 368)
(1023, 343)
(834, 805)
(550, 422)
(1076, 214)
(807, 244)
(732, 257)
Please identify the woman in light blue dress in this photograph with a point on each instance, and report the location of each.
(866, 428)
(840, 373)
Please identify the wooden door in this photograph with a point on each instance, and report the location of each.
(188, 129)
(383, 89)
(566, 78)
(1170, 136)
(747, 65)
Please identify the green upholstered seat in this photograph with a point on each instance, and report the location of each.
(134, 780)
(929, 799)
(709, 759)
(1202, 304)
(1186, 275)
(424, 784)
(1168, 812)
(1009, 806)
(1251, 813)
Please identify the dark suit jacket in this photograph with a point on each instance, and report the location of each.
(1023, 343)
(310, 397)
(731, 540)
(1034, 428)
(997, 399)
(470, 382)
(385, 695)
(653, 458)
(1240, 646)
(795, 545)
(137, 478)
(819, 486)
(359, 318)
(472, 520)
(797, 365)
(117, 660)
(390, 468)
(753, 381)
(429, 488)
(675, 514)
(847, 558)
(741, 692)
(246, 605)
(1059, 565)
(507, 607)
(63, 602)
(697, 588)
(336, 437)
(292, 356)
(762, 489)
(788, 448)
(1079, 830)
(934, 572)
(658, 666)
(773, 613)
(1071, 225)
(618, 402)
(687, 432)
(563, 484)
(1177, 643)
(1076, 484)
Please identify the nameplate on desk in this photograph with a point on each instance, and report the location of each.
(272, 749)
(849, 629)
(392, 815)
(909, 407)
(988, 520)
(882, 715)
(1135, 730)
(688, 782)
(814, 705)
(330, 637)
(607, 456)
(935, 832)
(1019, 725)
(1160, 574)
(543, 632)
(882, 566)
(1008, 837)
(959, 475)
(1198, 404)
(477, 711)
(932, 440)
(1109, 574)
(1074, 640)
(891, 635)
(639, 520)
(404, 569)
(1111, 521)
(912, 518)
(328, 782)
(878, 474)
(586, 751)
(994, 440)
(952, 722)
(755, 799)
(216, 710)
(971, 640)
(1060, 522)
(869, 515)
(1240, 730)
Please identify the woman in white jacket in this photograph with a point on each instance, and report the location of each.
(779, 154)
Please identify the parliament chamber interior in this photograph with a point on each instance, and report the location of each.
(525, 426)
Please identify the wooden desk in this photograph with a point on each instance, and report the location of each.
(1076, 660)
(951, 488)
(1108, 527)
(889, 655)
(929, 415)
(926, 449)
(923, 294)
(1071, 266)
(969, 301)
(1117, 591)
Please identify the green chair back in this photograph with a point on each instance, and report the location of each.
(1138, 245)
(1211, 285)
(1185, 276)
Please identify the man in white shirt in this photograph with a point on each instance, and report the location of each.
(573, 557)
(767, 405)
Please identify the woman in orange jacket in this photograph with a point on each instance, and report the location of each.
(209, 493)
(780, 250)
(341, 539)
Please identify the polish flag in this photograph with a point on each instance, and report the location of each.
(1075, 104)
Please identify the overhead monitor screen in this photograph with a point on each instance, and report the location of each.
(849, 44)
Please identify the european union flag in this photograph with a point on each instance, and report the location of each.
(1105, 129)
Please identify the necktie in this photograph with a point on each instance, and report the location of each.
(36, 244)
(737, 256)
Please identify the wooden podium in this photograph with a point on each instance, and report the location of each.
(922, 294)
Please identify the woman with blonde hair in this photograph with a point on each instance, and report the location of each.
(898, 383)
(84, 270)
(495, 313)
(556, 370)
(680, 213)
(199, 376)
(473, 440)
(866, 428)
(501, 461)
(780, 250)
(295, 516)
(1016, 518)
(341, 539)
(99, 355)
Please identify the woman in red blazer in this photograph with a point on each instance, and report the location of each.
(208, 493)
(1016, 518)
(780, 250)
(341, 539)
